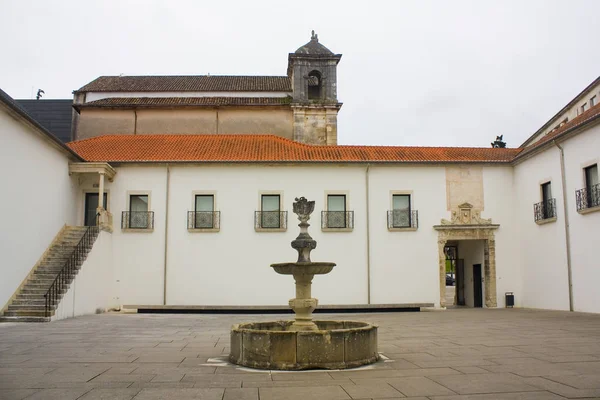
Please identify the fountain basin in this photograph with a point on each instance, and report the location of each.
(307, 268)
(334, 345)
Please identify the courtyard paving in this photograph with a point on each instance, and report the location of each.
(473, 354)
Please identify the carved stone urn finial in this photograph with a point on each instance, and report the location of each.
(304, 243)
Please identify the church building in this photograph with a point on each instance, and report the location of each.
(177, 194)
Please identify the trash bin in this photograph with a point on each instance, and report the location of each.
(510, 299)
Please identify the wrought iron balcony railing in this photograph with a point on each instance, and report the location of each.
(204, 219)
(544, 210)
(397, 219)
(588, 197)
(137, 220)
(337, 219)
(270, 219)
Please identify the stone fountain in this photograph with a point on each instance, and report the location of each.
(303, 343)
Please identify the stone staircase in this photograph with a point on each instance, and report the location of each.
(29, 305)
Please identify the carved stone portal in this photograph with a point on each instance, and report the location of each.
(466, 224)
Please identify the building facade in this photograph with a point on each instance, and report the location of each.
(194, 219)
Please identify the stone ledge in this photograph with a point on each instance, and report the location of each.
(546, 221)
(284, 308)
(589, 210)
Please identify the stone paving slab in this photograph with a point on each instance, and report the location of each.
(458, 354)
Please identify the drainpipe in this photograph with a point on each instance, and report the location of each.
(567, 228)
(135, 122)
(368, 236)
(166, 235)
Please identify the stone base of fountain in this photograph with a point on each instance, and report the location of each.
(275, 345)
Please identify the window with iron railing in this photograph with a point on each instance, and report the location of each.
(204, 216)
(545, 210)
(337, 216)
(138, 216)
(589, 196)
(270, 217)
(137, 220)
(204, 220)
(402, 216)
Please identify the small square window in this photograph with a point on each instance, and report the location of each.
(593, 101)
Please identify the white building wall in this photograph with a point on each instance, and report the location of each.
(231, 267)
(581, 151)
(404, 264)
(37, 201)
(500, 205)
(542, 247)
(93, 290)
(138, 256)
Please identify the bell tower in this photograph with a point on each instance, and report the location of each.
(313, 72)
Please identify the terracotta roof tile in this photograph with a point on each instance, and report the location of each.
(185, 102)
(194, 83)
(582, 119)
(266, 148)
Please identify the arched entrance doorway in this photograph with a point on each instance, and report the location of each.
(467, 224)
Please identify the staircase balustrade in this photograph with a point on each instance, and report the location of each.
(64, 277)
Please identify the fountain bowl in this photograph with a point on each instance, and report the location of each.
(312, 268)
(272, 345)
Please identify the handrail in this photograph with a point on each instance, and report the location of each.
(78, 255)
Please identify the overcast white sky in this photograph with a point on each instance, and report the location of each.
(430, 73)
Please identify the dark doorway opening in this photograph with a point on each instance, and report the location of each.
(91, 204)
(477, 288)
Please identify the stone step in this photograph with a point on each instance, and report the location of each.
(40, 291)
(29, 307)
(24, 319)
(49, 276)
(27, 313)
(30, 301)
(55, 269)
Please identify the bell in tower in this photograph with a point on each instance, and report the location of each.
(313, 72)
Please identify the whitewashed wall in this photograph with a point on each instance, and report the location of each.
(231, 267)
(37, 200)
(404, 264)
(93, 289)
(581, 151)
(542, 247)
(501, 204)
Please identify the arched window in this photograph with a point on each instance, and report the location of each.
(314, 85)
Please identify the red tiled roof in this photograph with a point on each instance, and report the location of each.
(267, 148)
(185, 102)
(580, 120)
(194, 83)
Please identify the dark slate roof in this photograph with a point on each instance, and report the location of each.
(185, 102)
(54, 115)
(314, 47)
(196, 83)
(18, 109)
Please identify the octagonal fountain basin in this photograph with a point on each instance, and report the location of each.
(272, 345)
